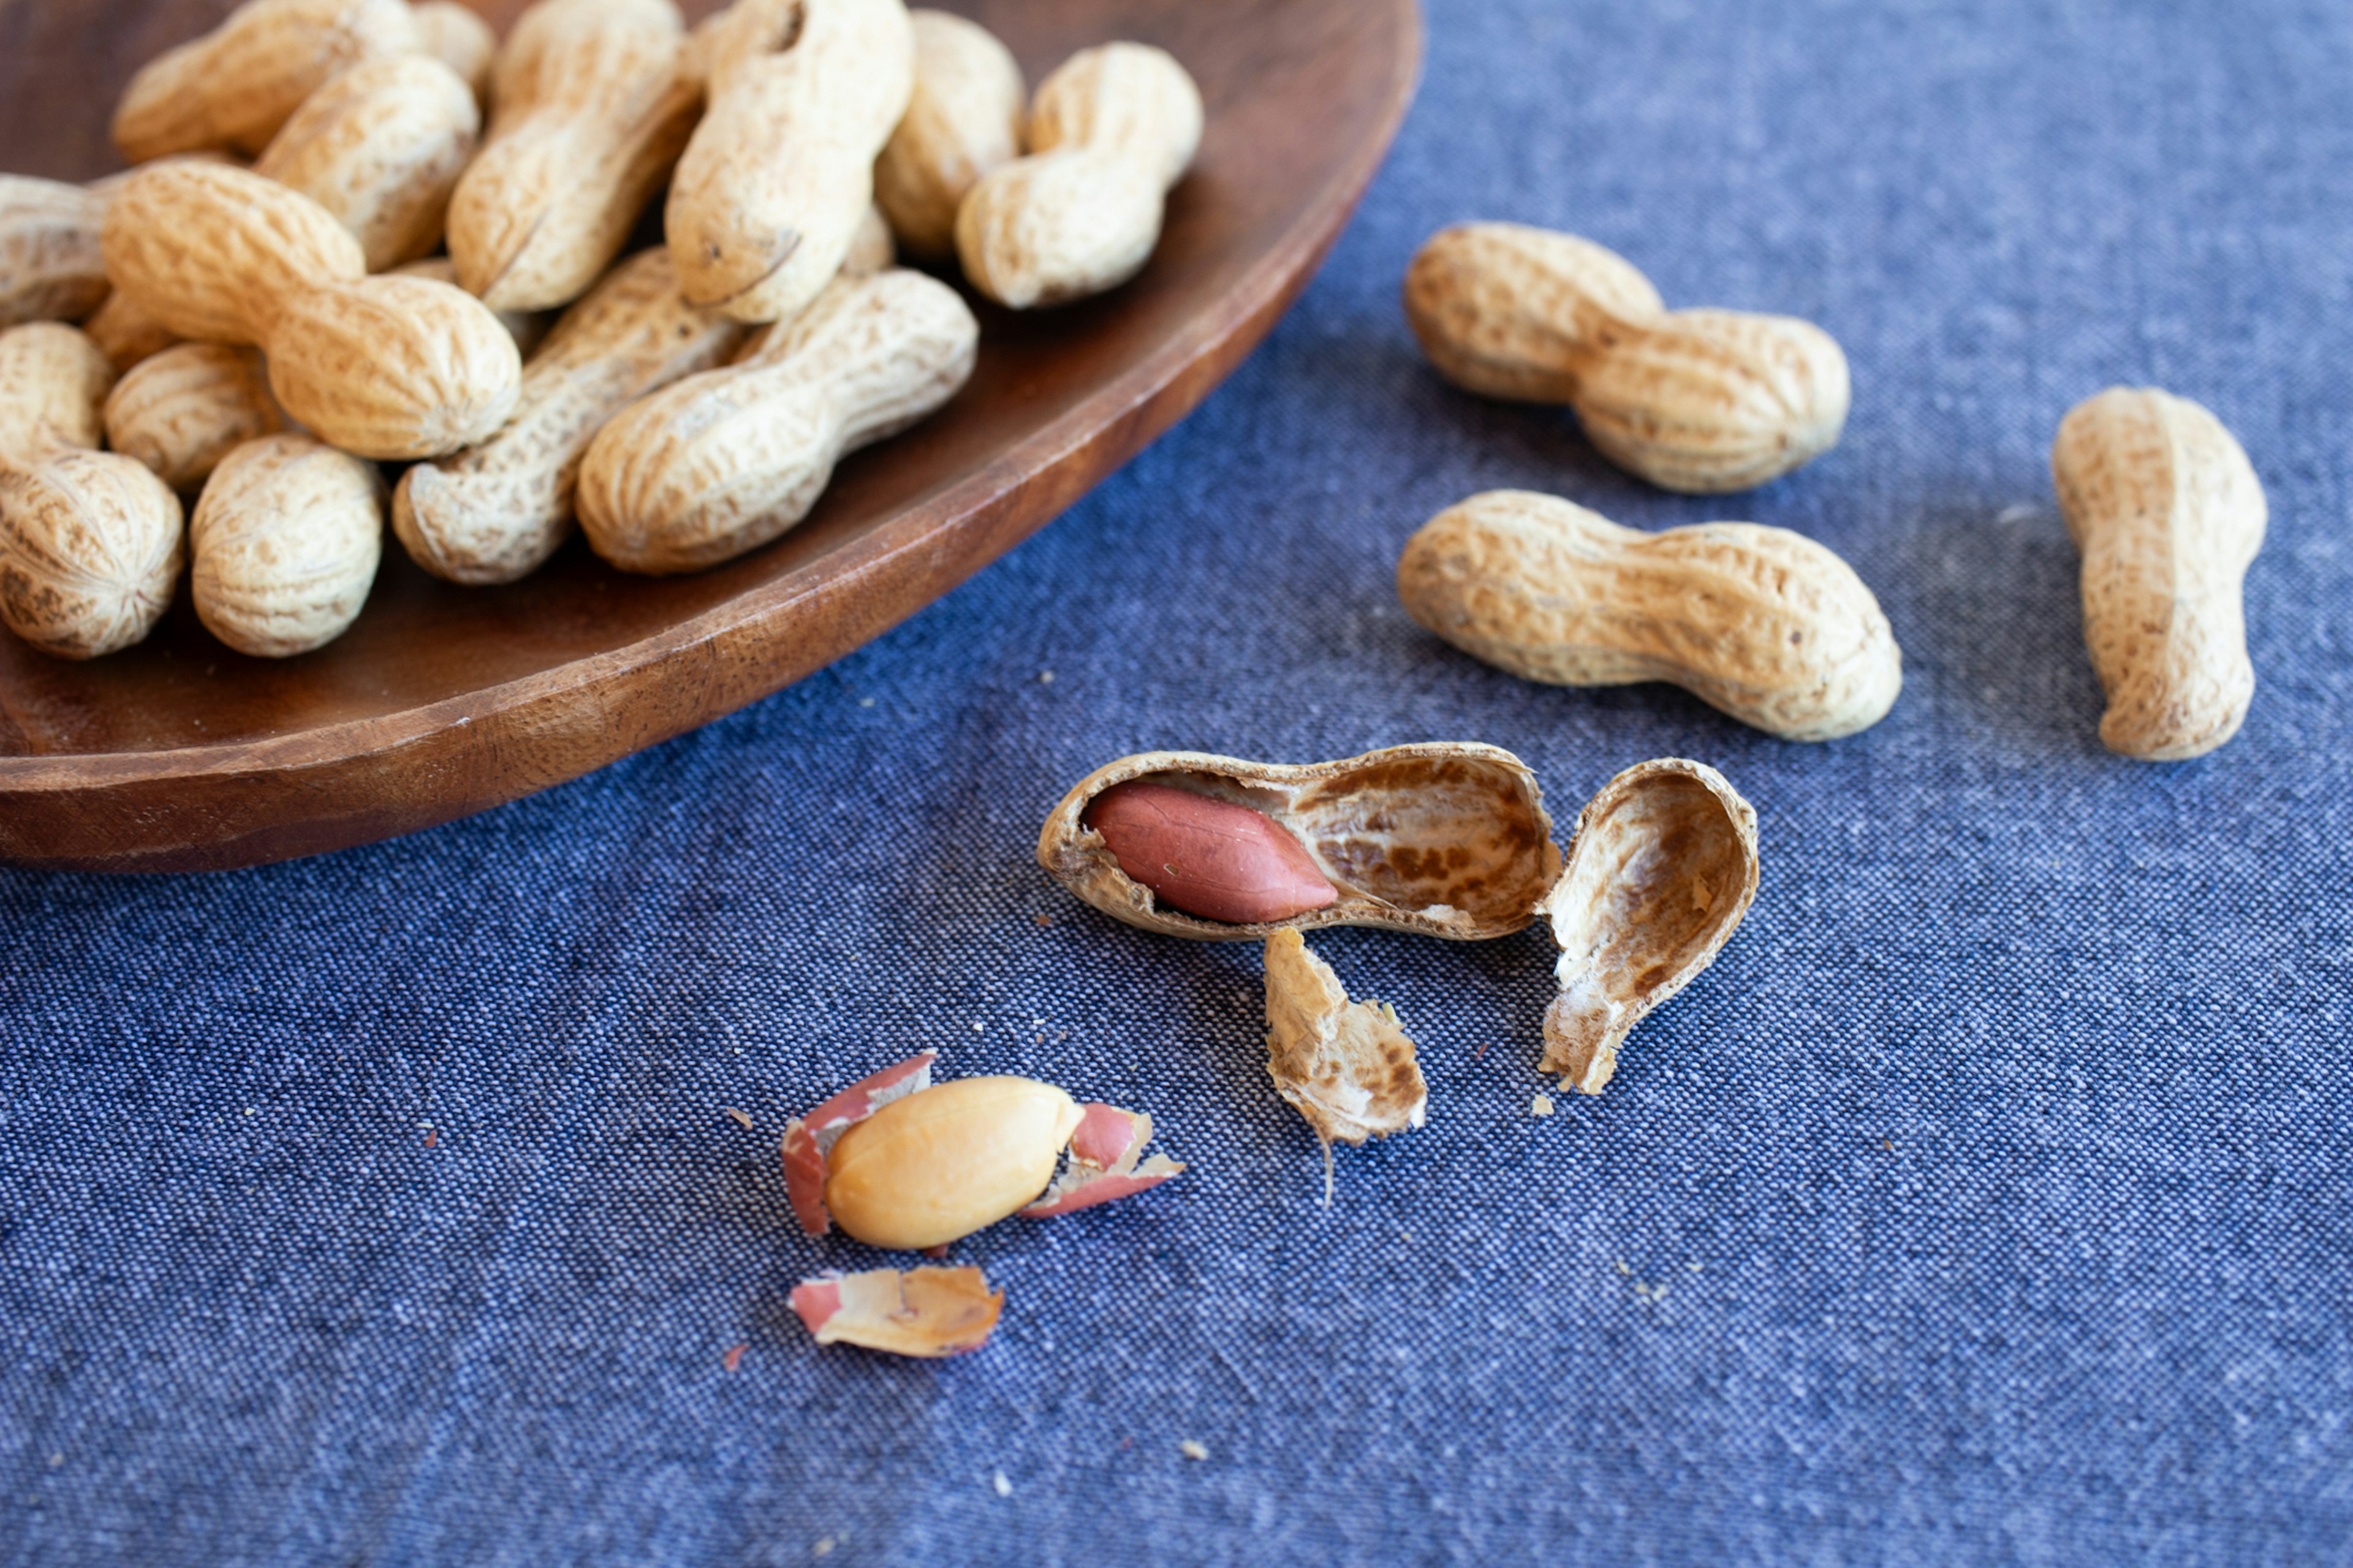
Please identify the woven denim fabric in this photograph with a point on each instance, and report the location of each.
(1988, 1202)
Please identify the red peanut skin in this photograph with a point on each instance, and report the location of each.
(1207, 857)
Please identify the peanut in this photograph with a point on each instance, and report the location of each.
(1760, 623)
(494, 512)
(962, 121)
(947, 1161)
(237, 85)
(1347, 1067)
(527, 328)
(803, 95)
(2168, 513)
(381, 147)
(1111, 131)
(181, 411)
(1447, 838)
(459, 39)
(126, 333)
(1207, 856)
(725, 461)
(89, 543)
(50, 267)
(382, 367)
(1701, 401)
(286, 539)
(591, 107)
(1662, 868)
(871, 250)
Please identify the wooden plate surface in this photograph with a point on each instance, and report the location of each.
(441, 700)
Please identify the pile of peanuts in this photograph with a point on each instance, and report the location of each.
(265, 319)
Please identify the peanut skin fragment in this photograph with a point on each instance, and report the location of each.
(914, 1313)
(1207, 857)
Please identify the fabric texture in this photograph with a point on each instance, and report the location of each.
(1986, 1201)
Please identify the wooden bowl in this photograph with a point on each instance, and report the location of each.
(442, 700)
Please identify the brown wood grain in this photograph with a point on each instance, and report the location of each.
(443, 700)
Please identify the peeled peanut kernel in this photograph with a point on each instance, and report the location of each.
(948, 1160)
(1700, 401)
(1662, 868)
(1449, 838)
(1761, 623)
(802, 96)
(237, 85)
(381, 147)
(2167, 514)
(387, 366)
(181, 411)
(590, 105)
(51, 266)
(493, 514)
(725, 461)
(963, 119)
(1111, 131)
(1206, 856)
(286, 539)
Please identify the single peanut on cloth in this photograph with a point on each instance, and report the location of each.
(1347, 1067)
(459, 39)
(237, 85)
(592, 104)
(1761, 623)
(384, 367)
(286, 540)
(1662, 870)
(900, 1162)
(381, 147)
(1111, 131)
(1449, 838)
(181, 411)
(802, 96)
(1701, 401)
(89, 541)
(911, 1312)
(51, 266)
(725, 461)
(964, 120)
(492, 513)
(1208, 857)
(2168, 513)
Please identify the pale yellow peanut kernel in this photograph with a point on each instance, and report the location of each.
(947, 1161)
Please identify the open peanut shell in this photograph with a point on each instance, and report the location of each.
(1449, 838)
(1662, 869)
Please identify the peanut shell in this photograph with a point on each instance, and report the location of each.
(394, 367)
(459, 39)
(51, 267)
(2167, 514)
(286, 539)
(53, 386)
(1449, 838)
(235, 86)
(802, 96)
(1662, 870)
(380, 147)
(90, 549)
(126, 333)
(1347, 1067)
(963, 119)
(1760, 623)
(184, 409)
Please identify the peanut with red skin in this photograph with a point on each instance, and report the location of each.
(1207, 857)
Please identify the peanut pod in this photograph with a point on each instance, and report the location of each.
(2168, 513)
(382, 367)
(591, 107)
(494, 512)
(90, 549)
(126, 333)
(181, 411)
(237, 85)
(1701, 401)
(51, 266)
(802, 96)
(1760, 623)
(285, 539)
(1662, 870)
(1111, 131)
(1447, 838)
(459, 39)
(725, 461)
(381, 147)
(962, 121)
(53, 386)
(527, 328)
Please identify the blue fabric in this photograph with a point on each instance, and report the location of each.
(1986, 1201)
